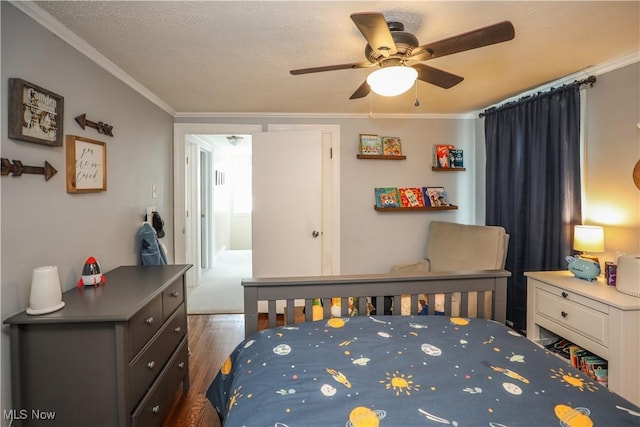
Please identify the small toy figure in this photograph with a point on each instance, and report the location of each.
(91, 274)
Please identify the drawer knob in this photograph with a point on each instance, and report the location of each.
(155, 409)
(151, 364)
(178, 329)
(564, 313)
(175, 294)
(564, 294)
(148, 320)
(181, 365)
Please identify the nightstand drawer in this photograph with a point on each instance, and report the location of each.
(146, 367)
(581, 318)
(144, 324)
(172, 297)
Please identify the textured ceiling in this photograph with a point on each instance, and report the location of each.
(235, 56)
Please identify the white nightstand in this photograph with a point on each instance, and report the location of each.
(592, 315)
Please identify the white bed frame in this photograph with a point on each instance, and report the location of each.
(289, 289)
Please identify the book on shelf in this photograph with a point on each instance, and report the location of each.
(387, 197)
(456, 158)
(411, 197)
(437, 197)
(391, 146)
(441, 155)
(370, 144)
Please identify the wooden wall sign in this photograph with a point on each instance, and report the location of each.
(86, 165)
(35, 114)
(101, 127)
(16, 168)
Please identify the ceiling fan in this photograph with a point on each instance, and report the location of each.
(388, 45)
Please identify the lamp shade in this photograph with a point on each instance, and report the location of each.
(588, 238)
(392, 81)
(46, 295)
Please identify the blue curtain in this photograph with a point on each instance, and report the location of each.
(533, 184)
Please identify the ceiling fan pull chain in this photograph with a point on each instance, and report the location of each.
(371, 105)
(417, 103)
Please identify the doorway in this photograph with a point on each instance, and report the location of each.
(185, 225)
(219, 203)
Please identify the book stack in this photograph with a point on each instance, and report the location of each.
(594, 366)
(411, 197)
(375, 145)
(447, 156)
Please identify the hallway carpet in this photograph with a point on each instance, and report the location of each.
(220, 289)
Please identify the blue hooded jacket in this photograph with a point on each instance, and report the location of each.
(151, 252)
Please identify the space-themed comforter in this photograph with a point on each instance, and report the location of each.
(407, 371)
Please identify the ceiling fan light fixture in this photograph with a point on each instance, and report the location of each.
(392, 81)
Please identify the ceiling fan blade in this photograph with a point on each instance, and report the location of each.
(362, 91)
(331, 68)
(497, 33)
(436, 77)
(375, 30)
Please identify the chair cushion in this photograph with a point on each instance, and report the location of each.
(455, 247)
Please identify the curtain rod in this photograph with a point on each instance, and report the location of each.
(591, 80)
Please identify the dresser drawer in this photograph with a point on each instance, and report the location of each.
(146, 367)
(153, 407)
(172, 297)
(586, 319)
(144, 324)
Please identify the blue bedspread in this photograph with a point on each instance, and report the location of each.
(407, 371)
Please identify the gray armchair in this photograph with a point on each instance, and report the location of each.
(456, 247)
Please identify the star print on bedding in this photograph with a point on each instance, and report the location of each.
(407, 370)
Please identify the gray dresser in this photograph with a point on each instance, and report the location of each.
(113, 356)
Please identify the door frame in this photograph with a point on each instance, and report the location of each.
(183, 224)
(331, 174)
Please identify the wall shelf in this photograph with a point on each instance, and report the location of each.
(420, 208)
(379, 157)
(439, 169)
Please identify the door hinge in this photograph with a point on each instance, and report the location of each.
(331, 153)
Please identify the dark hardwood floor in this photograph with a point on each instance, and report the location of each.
(211, 339)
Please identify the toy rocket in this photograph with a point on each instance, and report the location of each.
(91, 274)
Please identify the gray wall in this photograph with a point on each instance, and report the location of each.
(389, 238)
(41, 223)
(612, 133)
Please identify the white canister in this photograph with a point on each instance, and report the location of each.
(628, 275)
(46, 295)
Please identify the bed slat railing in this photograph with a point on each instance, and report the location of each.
(290, 289)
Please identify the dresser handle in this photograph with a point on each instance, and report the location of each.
(151, 364)
(148, 320)
(564, 313)
(175, 294)
(181, 365)
(155, 409)
(564, 294)
(177, 330)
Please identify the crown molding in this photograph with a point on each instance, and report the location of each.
(327, 115)
(35, 12)
(596, 70)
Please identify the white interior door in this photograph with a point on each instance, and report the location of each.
(287, 204)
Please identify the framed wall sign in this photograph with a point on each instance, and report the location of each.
(86, 165)
(35, 114)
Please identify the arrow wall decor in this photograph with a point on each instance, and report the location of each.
(101, 127)
(17, 169)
